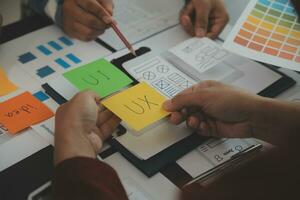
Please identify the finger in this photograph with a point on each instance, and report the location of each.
(176, 118)
(108, 128)
(103, 117)
(201, 19)
(217, 27)
(185, 18)
(108, 5)
(94, 8)
(88, 19)
(84, 33)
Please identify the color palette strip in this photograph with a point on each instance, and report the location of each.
(44, 50)
(55, 45)
(66, 41)
(62, 63)
(73, 58)
(272, 28)
(268, 31)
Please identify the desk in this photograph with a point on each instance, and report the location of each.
(38, 167)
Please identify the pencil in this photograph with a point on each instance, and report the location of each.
(118, 32)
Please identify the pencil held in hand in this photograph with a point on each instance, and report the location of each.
(118, 32)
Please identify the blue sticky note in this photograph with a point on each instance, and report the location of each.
(73, 58)
(41, 96)
(62, 63)
(45, 71)
(27, 57)
(66, 41)
(44, 50)
(55, 45)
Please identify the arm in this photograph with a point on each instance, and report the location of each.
(218, 110)
(81, 126)
(81, 19)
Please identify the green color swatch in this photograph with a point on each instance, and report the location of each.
(99, 76)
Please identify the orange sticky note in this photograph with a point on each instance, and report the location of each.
(22, 111)
(6, 86)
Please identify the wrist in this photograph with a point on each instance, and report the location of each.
(275, 121)
(74, 144)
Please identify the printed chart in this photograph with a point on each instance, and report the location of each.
(48, 52)
(268, 31)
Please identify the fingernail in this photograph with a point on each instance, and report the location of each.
(192, 123)
(167, 105)
(107, 19)
(199, 32)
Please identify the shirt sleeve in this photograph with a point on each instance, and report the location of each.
(85, 178)
(51, 8)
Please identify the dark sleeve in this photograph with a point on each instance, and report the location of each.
(88, 179)
(273, 176)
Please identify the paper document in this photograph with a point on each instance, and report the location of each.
(139, 19)
(211, 154)
(48, 52)
(268, 31)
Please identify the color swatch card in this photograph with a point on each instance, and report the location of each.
(268, 31)
(138, 106)
(48, 52)
(22, 111)
(100, 76)
(6, 86)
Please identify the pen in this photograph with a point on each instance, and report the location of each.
(119, 33)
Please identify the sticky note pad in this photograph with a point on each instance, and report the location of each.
(100, 76)
(6, 86)
(22, 111)
(139, 106)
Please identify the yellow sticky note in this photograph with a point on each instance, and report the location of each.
(139, 106)
(6, 85)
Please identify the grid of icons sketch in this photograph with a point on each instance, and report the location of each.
(47, 50)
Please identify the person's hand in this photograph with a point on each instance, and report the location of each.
(202, 18)
(81, 126)
(214, 109)
(84, 19)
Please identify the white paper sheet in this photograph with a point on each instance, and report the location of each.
(84, 51)
(155, 140)
(161, 75)
(20, 147)
(211, 154)
(140, 19)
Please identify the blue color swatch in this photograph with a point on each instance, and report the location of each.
(66, 41)
(73, 58)
(62, 63)
(44, 50)
(45, 71)
(55, 45)
(41, 96)
(27, 57)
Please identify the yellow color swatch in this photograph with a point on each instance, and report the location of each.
(139, 106)
(6, 86)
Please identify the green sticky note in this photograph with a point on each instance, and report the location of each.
(100, 76)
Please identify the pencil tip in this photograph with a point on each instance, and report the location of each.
(133, 52)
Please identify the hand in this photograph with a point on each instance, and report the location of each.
(81, 127)
(84, 19)
(214, 109)
(204, 18)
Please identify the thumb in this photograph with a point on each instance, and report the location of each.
(201, 19)
(108, 5)
(183, 100)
